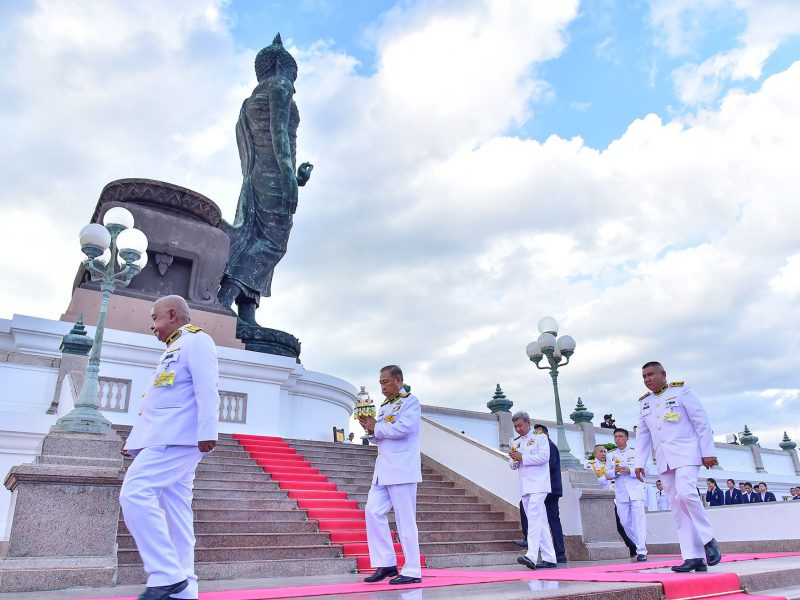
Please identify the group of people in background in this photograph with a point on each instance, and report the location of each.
(746, 494)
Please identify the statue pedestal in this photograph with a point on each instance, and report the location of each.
(268, 341)
(65, 515)
(133, 314)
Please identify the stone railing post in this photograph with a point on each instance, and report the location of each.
(501, 407)
(582, 417)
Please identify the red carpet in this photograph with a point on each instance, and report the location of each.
(683, 586)
(335, 513)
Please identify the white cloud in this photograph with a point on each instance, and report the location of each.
(684, 23)
(428, 236)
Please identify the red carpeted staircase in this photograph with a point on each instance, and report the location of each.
(321, 498)
(296, 508)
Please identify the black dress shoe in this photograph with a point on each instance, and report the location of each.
(561, 560)
(691, 564)
(641, 558)
(405, 580)
(521, 543)
(524, 560)
(163, 592)
(381, 573)
(546, 565)
(713, 555)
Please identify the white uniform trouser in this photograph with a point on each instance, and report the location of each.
(631, 515)
(381, 499)
(694, 530)
(156, 501)
(539, 537)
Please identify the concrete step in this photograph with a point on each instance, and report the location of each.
(243, 504)
(225, 484)
(440, 516)
(208, 494)
(215, 514)
(448, 498)
(295, 443)
(246, 540)
(790, 593)
(464, 560)
(466, 547)
(226, 453)
(362, 474)
(131, 557)
(216, 475)
(339, 463)
(134, 574)
(485, 535)
(231, 467)
(469, 526)
(249, 526)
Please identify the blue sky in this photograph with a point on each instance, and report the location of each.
(614, 69)
(627, 167)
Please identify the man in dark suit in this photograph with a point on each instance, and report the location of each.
(732, 495)
(749, 496)
(763, 495)
(550, 502)
(795, 493)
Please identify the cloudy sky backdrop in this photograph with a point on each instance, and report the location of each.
(630, 168)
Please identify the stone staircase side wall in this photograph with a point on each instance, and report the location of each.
(497, 504)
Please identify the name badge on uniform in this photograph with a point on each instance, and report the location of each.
(672, 417)
(165, 379)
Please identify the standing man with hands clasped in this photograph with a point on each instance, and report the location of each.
(398, 470)
(176, 426)
(674, 423)
(530, 457)
(629, 494)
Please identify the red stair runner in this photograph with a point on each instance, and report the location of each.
(319, 497)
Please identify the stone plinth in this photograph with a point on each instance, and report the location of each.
(133, 314)
(65, 514)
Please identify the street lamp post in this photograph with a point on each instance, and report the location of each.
(114, 243)
(547, 346)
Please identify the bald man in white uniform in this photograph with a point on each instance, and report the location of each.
(176, 425)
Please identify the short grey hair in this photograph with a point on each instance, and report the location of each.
(521, 415)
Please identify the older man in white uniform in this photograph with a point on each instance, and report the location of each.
(673, 421)
(530, 457)
(398, 470)
(177, 424)
(629, 492)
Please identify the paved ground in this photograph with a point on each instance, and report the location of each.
(776, 576)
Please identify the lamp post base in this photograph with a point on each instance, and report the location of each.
(568, 461)
(84, 420)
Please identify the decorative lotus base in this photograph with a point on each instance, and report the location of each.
(268, 341)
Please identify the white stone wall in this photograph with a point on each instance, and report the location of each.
(481, 429)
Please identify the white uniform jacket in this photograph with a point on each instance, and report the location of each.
(397, 436)
(534, 470)
(675, 422)
(626, 487)
(180, 406)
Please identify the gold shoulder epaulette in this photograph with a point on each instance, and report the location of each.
(172, 337)
(676, 384)
(645, 396)
(193, 328)
(405, 394)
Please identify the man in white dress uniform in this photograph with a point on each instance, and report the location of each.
(398, 470)
(530, 457)
(177, 424)
(629, 492)
(673, 421)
